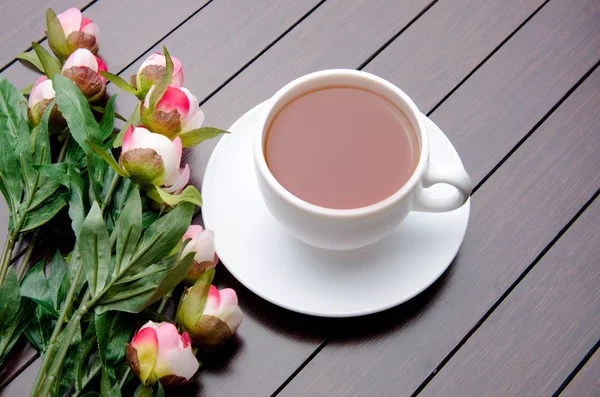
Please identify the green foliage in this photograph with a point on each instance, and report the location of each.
(56, 36)
(189, 195)
(199, 135)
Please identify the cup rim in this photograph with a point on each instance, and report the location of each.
(419, 129)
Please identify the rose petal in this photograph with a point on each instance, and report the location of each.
(174, 99)
(212, 301)
(205, 250)
(179, 184)
(90, 27)
(193, 107)
(179, 362)
(168, 338)
(82, 57)
(42, 89)
(193, 232)
(146, 345)
(195, 122)
(70, 20)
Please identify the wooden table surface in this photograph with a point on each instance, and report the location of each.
(514, 85)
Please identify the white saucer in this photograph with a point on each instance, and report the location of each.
(298, 277)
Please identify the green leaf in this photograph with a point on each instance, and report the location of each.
(57, 280)
(148, 218)
(12, 117)
(42, 215)
(41, 144)
(27, 90)
(46, 192)
(77, 202)
(56, 172)
(56, 36)
(94, 249)
(199, 135)
(133, 120)
(9, 297)
(113, 332)
(160, 392)
(50, 65)
(119, 82)
(39, 330)
(129, 229)
(164, 234)
(76, 110)
(36, 287)
(135, 296)
(107, 124)
(189, 195)
(107, 157)
(74, 154)
(10, 334)
(32, 58)
(86, 347)
(161, 87)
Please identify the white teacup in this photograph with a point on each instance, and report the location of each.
(342, 229)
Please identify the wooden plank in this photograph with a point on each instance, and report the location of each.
(543, 329)
(229, 24)
(232, 32)
(447, 43)
(22, 386)
(510, 226)
(587, 381)
(126, 31)
(274, 342)
(26, 22)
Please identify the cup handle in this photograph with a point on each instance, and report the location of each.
(449, 174)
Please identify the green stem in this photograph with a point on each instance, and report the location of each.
(111, 191)
(163, 302)
(58, 360)
(57, 328)
(27, 256)
(87, 380)
(63, 150)
(6, 256)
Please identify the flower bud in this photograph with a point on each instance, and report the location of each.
(202, 243)
(153, 160)
(82, 68)
(79, 32)
(40, 97)
(151, 71)
(210, 316)
(177, 111)
(158, 352)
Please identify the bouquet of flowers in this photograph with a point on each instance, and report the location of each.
(95, 310)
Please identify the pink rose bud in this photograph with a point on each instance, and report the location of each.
(210, 316)
(151, 159)
(177, 111)
(202, 243)
(40, 97)
(152, 70)
(82, 68)
(158, 352)
(80, 32)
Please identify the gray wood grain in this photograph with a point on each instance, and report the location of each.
(22, 22)
(543, 329)
(587, 381)
(516, 213)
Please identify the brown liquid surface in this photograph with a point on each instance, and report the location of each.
(341, 148)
